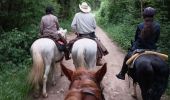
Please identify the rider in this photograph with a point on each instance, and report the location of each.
(146, 37)
(84, 25)
(49, 26)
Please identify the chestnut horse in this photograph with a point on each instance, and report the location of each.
(85, 84)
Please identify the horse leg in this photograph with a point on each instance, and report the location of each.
(45, 77)
(134, 93)
(91, 60)
(53, 74)
(61, 72)
(144, 93)
(74, 57)
(56, 67)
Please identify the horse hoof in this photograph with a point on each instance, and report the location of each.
(134, 96)
(62, 75)
(54, 83)
(45, 95)
(36, 95)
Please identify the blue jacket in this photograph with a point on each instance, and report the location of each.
(139, 43)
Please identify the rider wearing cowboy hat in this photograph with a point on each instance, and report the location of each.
(84, 24)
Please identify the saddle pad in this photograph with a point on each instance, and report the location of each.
(131, 60)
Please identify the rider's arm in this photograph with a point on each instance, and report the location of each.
(137, 33)
(41, 27)
(94, 23)
(157, 33)
(74, 24)
(57, 24)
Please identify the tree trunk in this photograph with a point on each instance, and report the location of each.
(141, 7)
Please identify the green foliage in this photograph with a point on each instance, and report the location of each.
(66, 24)
(15, 62)
(20, 13)
(70, 7)
(13, 81)
(15, 45)
(112, 11)
(115, 17)
(120, 34)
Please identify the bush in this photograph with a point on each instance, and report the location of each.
(21, 13)
(13, 81)
(15, 45)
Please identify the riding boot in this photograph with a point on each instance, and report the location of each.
(67, 53)
(124, 70)
(99, 62)
(99, 58)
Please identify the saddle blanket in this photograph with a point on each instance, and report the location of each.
(131, 60)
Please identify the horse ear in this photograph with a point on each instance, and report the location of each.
(68, 73)
(101, 72)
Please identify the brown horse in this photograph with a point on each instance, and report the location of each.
(85, 84)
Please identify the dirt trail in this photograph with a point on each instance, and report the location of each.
(114, 89)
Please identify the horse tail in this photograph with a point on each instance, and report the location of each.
(36, 74)
(160, 83)
(81, 57)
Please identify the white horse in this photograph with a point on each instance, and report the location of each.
(84, 53)
(44, 54)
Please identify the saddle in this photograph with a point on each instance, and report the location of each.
(57, 38)
(132, 59)
(102, 51)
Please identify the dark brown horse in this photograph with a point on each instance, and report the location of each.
(151, 73)
(85, 84)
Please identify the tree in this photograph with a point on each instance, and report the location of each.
(141, 7)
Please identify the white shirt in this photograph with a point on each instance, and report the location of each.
(83, 23)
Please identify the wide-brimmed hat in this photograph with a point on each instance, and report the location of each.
(84, 7)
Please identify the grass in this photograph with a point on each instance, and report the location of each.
(120, 34)
(13, 81)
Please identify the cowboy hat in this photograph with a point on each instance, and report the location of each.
(84, 7)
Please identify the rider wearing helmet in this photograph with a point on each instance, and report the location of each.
(146, 37)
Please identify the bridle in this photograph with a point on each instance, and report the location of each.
(86, 87)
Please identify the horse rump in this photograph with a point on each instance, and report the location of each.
(152, 73)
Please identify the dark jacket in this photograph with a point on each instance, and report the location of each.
(139, 43)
